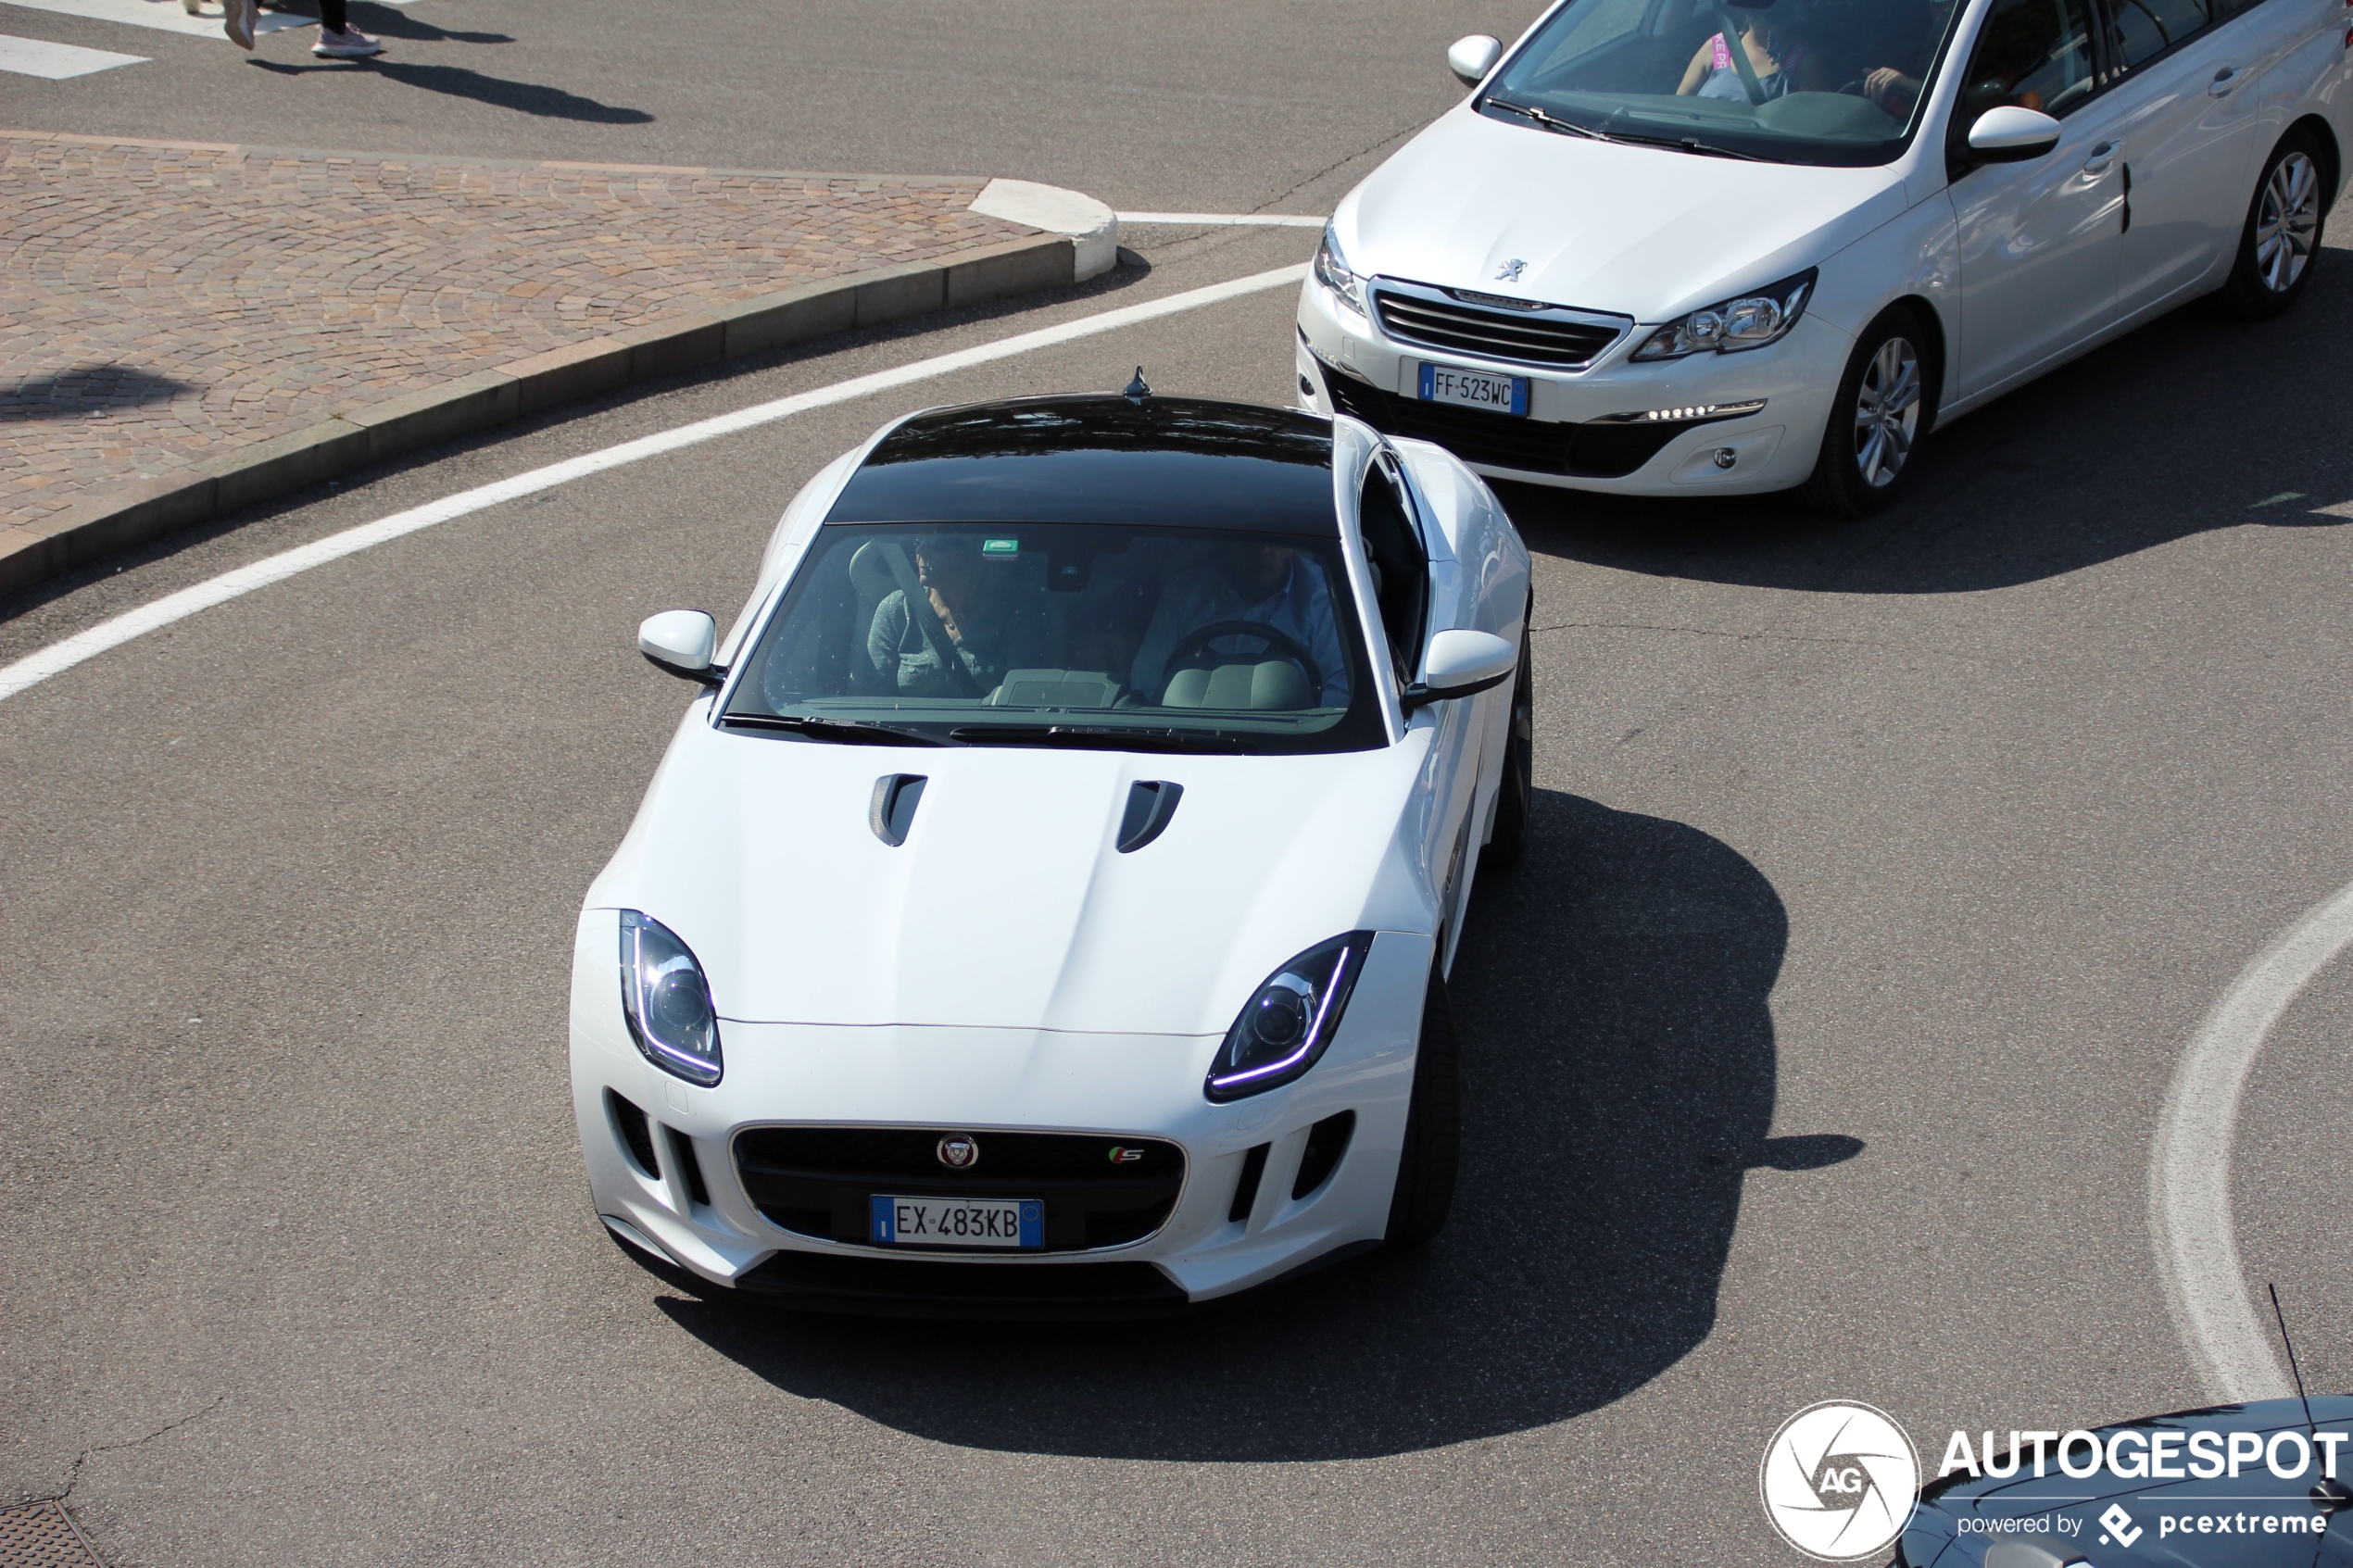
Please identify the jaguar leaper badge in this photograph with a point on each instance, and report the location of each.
(959, 1151)
(1510, 271)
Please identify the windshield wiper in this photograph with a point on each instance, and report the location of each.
(856, 731)
(1690, 145)
(1095, 737)
(1552, 122)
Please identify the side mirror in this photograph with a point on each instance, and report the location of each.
(2011, 134)
(1461, 663)
(680, 642)
(1471, 58)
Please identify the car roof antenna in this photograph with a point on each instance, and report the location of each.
(2292, 1370)
(1138, 389)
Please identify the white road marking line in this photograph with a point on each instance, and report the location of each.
(160, 16)
(1248, 219)
(58, 658)
(35, 56)
(2190, 1212)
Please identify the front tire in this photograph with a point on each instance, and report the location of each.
(1433, 1128)
(1881, 411)
(2282, 239)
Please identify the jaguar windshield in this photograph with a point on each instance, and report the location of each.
(1113, 636)
(1820, 82)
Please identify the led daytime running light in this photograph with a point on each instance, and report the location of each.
(666, 1001)
(1691, 414)
(1311, 991)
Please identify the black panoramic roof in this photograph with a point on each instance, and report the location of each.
(1161, 462)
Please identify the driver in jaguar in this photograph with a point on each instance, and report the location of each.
(1272, 584)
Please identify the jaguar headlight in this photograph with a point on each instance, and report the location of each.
(1289, 1021)
(1333, 272)
(667, 1002)
(1750, 321)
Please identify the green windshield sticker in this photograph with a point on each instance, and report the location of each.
(1000, 546)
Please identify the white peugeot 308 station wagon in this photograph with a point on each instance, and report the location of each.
(1044, 906)
(1682, 246)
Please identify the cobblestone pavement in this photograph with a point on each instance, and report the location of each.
(163, 302)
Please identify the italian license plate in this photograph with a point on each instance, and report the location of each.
(1474, 389)
(958, 1222)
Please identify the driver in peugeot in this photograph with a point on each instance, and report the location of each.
(1273, 586)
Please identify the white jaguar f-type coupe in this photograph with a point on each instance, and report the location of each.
(1045, 907)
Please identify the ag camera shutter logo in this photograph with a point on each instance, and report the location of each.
(1837, 1480)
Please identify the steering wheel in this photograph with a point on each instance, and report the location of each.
(1277, 640)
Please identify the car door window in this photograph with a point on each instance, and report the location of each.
(2146, 29)
(2034, 54)
(1400, 570)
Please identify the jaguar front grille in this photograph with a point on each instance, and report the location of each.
(1100, 1190)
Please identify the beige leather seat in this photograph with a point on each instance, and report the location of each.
(1277, 684)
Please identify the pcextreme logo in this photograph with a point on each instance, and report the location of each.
(1837, 1480)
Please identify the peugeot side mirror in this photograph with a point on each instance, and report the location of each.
(1471, 58)
(680, 642)
(1461, 663)
(2012, 135)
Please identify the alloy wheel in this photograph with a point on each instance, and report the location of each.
(1887, 412)
(2287, 223)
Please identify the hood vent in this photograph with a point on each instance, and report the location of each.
(1151, 802)
(893, 810)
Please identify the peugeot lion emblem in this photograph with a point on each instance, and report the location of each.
(959, 1151)
(1510, 271)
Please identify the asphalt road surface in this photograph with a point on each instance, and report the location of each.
(1879, 873)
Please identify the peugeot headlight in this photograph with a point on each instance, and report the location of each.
(1289, 1020)
(666, 1001)
(1751, 322)
(1333, 272)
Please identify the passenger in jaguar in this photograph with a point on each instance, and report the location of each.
(968, 616)
(1270, 585)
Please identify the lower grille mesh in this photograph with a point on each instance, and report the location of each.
(1502, 440)
(1098, 1190)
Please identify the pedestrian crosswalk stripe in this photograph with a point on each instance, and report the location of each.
(34, 57)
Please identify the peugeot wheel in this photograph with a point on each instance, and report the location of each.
(1433, 1128)
(1881, 411)
(2283, 234)
(1515, 791)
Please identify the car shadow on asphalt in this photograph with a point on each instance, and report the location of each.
(1618, 1081)
(2189, 424)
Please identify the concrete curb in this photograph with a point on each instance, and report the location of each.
(135, 514)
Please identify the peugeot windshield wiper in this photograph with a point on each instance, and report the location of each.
(1095, 737)
(856, 731)
(1551, 122)
(1689, 145)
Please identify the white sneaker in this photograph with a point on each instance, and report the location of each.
(238, 22)
(349, 45)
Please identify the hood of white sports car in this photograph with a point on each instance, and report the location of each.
(1642, 231)
(1009, 904)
